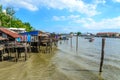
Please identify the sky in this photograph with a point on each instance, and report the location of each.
(68, 15)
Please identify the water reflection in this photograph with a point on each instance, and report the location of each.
(100, 76)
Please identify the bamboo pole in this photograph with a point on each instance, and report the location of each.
(16, 55)
(29, 48)
(71, 42)
(102, 55)
(2, 55)
(25, 51)
(76, 43)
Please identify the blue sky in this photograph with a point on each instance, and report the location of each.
(68, 15)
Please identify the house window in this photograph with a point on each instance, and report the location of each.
(4, 35)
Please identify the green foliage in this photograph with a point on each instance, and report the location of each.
(7, 20)
(71, 32)
(78, 33)
(10, 11)
(28, 26)
(0, 8)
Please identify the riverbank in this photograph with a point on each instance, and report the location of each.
(38, 67)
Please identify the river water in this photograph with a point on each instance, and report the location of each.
(83, 64)
(66, 63)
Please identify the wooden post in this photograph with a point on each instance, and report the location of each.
(29, 48)
(3, 52)
(16, 55)
(9, 53)
(102, 55)
(25, 51)
(51, 43)
(71, 42)
(2, 55)
(77, 43)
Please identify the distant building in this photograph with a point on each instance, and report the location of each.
(18, 30)
(108, 34)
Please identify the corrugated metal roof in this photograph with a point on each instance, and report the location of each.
(9, 32)
(35, 33)
(31, 33)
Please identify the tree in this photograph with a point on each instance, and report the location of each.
(10, 11)
(0, 8)
(28, 26)
(71, 32)
(10, 21)
(78, 33)
(0, 14)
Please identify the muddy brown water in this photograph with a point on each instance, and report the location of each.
(65, 63)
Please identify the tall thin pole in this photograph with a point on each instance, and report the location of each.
(77, 43)
(71, 42)
(102, 55)
(25, 51)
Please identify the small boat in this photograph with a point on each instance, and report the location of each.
(91, 40)
(87, 37)
(64, 38)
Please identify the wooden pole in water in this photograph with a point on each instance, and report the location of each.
(71, 42)
(102, 54)
(77, 43)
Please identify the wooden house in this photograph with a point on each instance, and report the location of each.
(33, 38)
(10, 35)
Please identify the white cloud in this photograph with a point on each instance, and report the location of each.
(28, 5)
(19, 4)
(91, 24)
(71, 5)
(112, 23)
(116, 1)
(64, 18)
(70, 28)
(100, 1)
(60, 18)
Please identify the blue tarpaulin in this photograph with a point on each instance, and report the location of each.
(29, 34)
(18, 39)
(28, 38)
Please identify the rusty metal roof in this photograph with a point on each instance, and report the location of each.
(9, 32)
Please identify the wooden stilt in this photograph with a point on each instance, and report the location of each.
(71, 42)
(76, 43)
(16, 55)
(102, 55)
(25, 52)
(2, 55)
